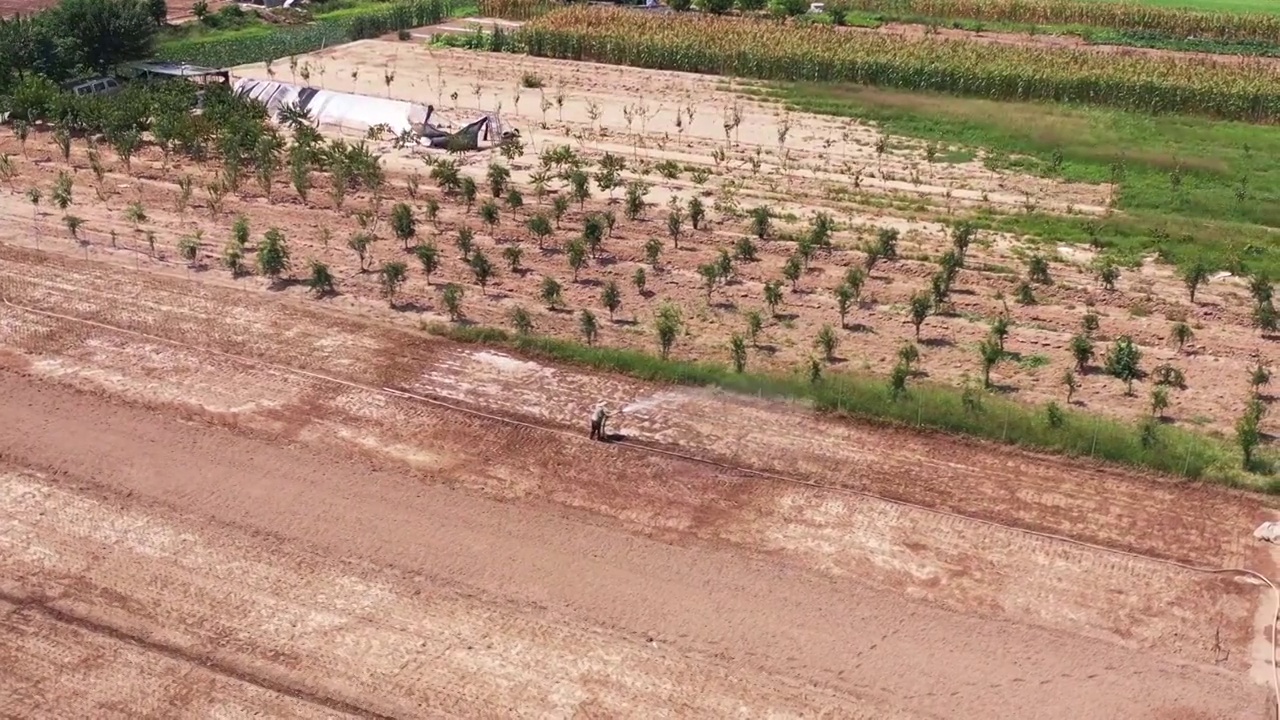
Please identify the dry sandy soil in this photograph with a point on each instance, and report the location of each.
(1146, 304)
(219, 500)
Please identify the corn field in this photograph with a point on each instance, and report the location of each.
(516, 9)
(1120, 16)
(771, 51)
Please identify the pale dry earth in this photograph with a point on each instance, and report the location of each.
(184, 506)
(1146, 303)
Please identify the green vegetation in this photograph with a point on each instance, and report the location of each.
(74, 38)
(1221, 207)
(1226, 19)
(233, 37)
(764, 51)
(1165, 449)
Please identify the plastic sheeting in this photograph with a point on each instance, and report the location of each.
(346, 111)
(1269, 531)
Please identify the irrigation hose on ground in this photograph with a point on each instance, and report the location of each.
(1275, 671)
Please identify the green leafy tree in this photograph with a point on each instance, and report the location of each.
(489, 214)
(1082, 351)
(273, 254)
(844, 301)
(1069, 380)
(639, 278)
(1193, 276)
(675, 222)
(465, 242)
(1108, 273)
(559, 206)
(189, 249)
(452, 297)
(588, 325)
(908, 354)
(551, 291)
(359, 244)
(429, 257)
(754, 324)
(593, 229)
(402, 223)
(576, 253)
(898, 380)
(521, 320)
(745, 250)
(320, 279)
(697, 213)
(773, 296)
(991, 354)
(667, 325)
(611, 298)
(482, 269)
(792, 270)
(738, 352)
(513, 254)
(467, 189)
(1159, 401)
(921, 306)
(653, 252)
(827, 341)
(1123, 362)
(1182, 334)
(1000, 329)
(498, 177)
(390, 277)
(1249, 430)
(105, 33)
(540, 227)
(760, 221)
(710, 274)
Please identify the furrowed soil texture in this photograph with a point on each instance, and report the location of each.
(221, 501)
(811, 174)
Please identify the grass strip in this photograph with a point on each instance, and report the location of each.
(1149, 444)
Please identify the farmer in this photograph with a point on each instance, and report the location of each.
(597, 422)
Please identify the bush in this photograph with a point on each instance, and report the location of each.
(679, 5)
(787, 8)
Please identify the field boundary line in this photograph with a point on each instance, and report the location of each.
(640, 447)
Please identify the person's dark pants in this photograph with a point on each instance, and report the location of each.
(595, 430)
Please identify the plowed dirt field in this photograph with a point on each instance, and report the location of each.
(225, 503)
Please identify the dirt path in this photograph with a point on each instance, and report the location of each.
(190, 505)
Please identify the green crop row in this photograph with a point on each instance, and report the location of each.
(770, 51)
(241, 47)
(1169, 22)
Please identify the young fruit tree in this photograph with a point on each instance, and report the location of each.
(390, 277)
(1123, 361)
(667, 326)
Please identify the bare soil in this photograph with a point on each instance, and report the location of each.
(1145, 305)
(209, 501)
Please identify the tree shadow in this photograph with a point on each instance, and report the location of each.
(410, 306)
(724, 305)
(767, 348)
(935, 342)
(606, 261)
(589, 282)
(786, 317)
(859, 328)
(627, 322)
(1003, 388)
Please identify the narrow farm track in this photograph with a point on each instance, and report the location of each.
(381, 548)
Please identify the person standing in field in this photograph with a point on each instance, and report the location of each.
(597, 422)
